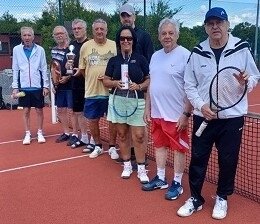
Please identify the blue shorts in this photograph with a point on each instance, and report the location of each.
(63, 98)
(95, 108)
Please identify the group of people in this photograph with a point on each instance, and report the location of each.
(171, 84)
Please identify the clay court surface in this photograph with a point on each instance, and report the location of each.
(53, 184)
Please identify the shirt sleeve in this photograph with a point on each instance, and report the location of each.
(15, 69)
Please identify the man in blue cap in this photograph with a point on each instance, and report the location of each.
(220, 50)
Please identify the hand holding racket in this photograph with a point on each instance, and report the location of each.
(227, 89)
(55, 73)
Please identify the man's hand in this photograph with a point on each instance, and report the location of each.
(182, 123)
(45, 91)
(242, 77)
(207, 112)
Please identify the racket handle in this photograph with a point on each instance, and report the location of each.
(202, 127)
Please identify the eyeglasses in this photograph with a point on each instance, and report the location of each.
(77, 28)
(60, 33)
(218, 23)
(126, 38)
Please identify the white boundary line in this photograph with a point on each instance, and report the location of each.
(19, 140)
(45, 163)
(41, 164)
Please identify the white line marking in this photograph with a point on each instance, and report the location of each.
(41, 164)
(44, 163)
(19, 140)
(254, 105)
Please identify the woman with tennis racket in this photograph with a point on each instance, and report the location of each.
(127, 75)
(219, 73)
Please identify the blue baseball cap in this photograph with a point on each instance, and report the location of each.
(217, 13)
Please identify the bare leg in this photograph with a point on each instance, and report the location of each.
(139, 143)
(63, 116)
(26, 118)
(122, 131)
(94, 130)
(40, 117)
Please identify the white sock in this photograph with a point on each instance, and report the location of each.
(127, 163)
(39, 131)
(75, 135)
(178, 177)
(27, 132)
(84, 138)
(161, 173)
(91, 141)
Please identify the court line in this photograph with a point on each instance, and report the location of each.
(20, 140)
(41, 164)
(254, 105)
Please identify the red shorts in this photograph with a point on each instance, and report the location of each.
(165, 134)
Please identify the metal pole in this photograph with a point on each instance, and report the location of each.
(256, 31)
(144, 14)
(60, 13)
(209, 4)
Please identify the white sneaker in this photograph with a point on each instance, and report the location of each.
(27, 139)
(97, 151)
(220, 208)
(188, 208)
(113, 153)
(142, 174)
(40, 138)
(127, 171)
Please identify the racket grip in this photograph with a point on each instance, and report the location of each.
(202, 127)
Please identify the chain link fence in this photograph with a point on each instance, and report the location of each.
(43, 15)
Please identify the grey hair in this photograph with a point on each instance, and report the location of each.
(172, 21)
(99, 21)
(30, 29)
(75, 21)
(64, 30)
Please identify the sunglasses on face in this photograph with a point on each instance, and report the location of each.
(126, 38)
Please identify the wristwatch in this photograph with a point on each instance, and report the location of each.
(187, 114)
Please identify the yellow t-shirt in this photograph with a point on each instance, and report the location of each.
(94, 59)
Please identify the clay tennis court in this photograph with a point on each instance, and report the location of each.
(51, 183)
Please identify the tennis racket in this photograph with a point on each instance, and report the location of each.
(55, 73)
(125, 102)
(227, 89)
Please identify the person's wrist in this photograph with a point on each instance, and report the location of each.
(140, 87)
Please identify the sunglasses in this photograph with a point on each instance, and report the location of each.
(126, 38)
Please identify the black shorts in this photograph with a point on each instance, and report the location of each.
(78, 100)
(32, 98)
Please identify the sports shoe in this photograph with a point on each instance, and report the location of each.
(220, 208)
(72, 140)
(40, 138)
(142, 174)
(97, 151)
(127, 171)
(188, 208)
(27, 139)
(89, 148)
(113, 153)
(154, 184)
(77, 144)
(62, 138)
(174, 191)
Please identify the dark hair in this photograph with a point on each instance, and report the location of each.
(118, 37)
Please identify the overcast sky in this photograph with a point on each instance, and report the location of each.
(192, 14)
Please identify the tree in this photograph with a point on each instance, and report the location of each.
(159, 11)
(8, 24)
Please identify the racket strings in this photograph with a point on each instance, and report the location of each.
(226, 91)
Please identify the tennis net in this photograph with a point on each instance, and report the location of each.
(247, 181)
